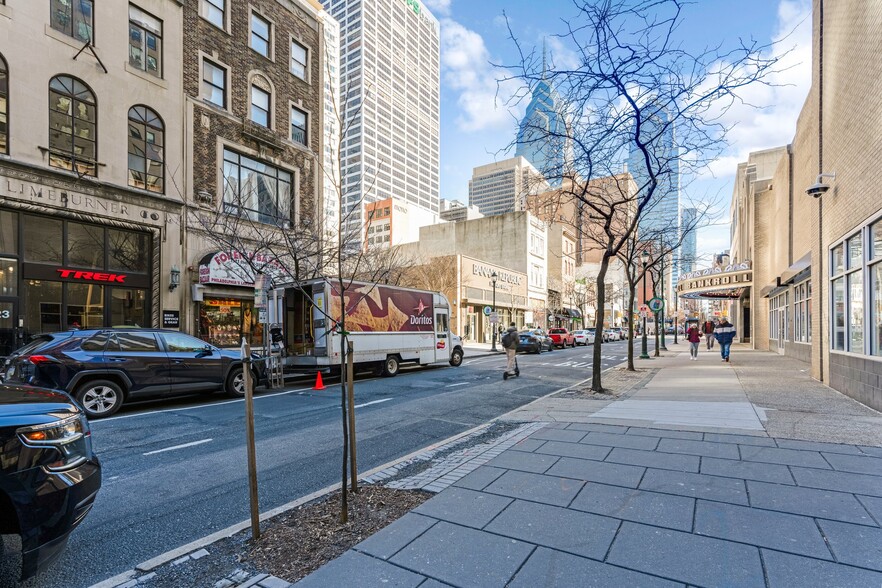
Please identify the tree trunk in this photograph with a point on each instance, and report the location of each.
(632, 294)
(600, 282)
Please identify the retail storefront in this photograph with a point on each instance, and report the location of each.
(476, 293)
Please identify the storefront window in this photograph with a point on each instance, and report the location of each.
(8, 232)
(855, 252)
(128, 308)
(85, 306)
(8, 277)
(43, 306)
(838, 259)
(876, 236)
(225, 321)
(128, 251)
(839, 314)
(42, 239)
(85, 245)
(876, 308)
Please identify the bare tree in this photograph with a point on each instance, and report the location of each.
(633, 87)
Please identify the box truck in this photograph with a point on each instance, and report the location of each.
(388, 326)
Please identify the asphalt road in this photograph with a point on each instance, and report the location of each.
(175, 471)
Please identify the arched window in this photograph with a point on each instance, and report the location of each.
(4, 106)
(73, 126)
(146, 146)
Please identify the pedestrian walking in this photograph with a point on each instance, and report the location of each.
(694, 337)
(708, 329)
(510, 344)
(725, 333)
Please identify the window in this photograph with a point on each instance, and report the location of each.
(73, 120)
(146, 140)
(214, 84)
(260, 35)
(213, 11)
(128, 251)
(133, 342)
(74, 18)
(802, 309)
(145, 41)
(256, 190)
(42, 238)
(298, 60)
(847, 297)
(180, 343)
(298, 126)
(260, 106)
(4, 106)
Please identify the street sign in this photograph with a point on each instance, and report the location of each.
(643, 308)
(488, 310)
(656, 304)
(494, 318)
(645, 313)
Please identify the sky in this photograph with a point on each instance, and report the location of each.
(477, 126)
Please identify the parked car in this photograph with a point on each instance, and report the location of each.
(49, 475)
(608, 336)
(562, 337)
(534, 341)
(583, 337)
(102, 368)
(620, 333)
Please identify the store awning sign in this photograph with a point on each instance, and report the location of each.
(234, 268)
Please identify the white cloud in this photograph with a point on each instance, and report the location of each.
(438, 7)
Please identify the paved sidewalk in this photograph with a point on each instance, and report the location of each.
(677, 483)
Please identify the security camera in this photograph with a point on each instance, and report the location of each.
(817, 190)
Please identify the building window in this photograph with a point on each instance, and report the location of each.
(73, 142)
(848, 264)
(298, 60)
(4, 106)
(876, 285)
(260, 35)
(256, 190)
(74, 18)
(146, 147)
(260, 106)
(214, 84)
(802, 311)
(145, 41)
(214, 11)
(298, 126)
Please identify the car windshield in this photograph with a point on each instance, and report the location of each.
(557, 331)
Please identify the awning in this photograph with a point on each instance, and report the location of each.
(574, 312)
(798, 271)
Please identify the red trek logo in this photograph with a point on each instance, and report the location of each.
(92, 276)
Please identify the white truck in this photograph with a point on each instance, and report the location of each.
(388, 326)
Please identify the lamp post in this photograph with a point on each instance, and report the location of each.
(493, 326)
(662, 312)
(676, 314)
(644, 350)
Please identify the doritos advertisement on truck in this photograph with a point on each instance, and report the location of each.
(375, 308)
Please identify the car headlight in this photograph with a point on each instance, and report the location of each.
(68, 436)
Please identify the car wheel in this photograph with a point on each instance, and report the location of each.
(456, 358)
(100, 398)
(391, 366)
(235, 384)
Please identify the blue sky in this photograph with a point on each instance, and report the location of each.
(476, 125)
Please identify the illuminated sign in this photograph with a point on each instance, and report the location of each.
(91, 276)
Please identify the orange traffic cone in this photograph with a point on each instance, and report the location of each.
(319, 385)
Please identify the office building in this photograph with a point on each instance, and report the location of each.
(455, 211)
(688, 243)
(503, 187)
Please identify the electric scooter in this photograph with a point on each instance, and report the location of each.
(517, 372)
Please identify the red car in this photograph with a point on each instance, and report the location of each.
(562, 338)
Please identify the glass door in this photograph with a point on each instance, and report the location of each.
(8, 328)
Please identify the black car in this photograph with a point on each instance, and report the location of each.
(49, 476)
(102, 368)
(534, 341)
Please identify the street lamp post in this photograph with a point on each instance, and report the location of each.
(676, 315)
(662, 312)
(644, 350)
(493, 327)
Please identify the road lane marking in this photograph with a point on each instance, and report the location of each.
(173, 448)
(459, 384)
(373, 402)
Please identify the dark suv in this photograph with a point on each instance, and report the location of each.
(49, 476)
(101, 368)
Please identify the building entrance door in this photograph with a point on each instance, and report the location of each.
(9, 340)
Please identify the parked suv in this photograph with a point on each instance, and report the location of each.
(102, 368)
(49, 476)
(561, 337)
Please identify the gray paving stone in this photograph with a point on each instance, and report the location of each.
(858, 464)
(717, 488)
(652, 508)
(553, 569)
(469, 557)
(430, 583)
(817, 446)
(764, 528)
(386, 542)
(528, 445)
(558, 435)
(369, 571)
(251, 582)
(855, 544)
(873, 506)
(580, 450)
(558, 528)
(546, 489)
(739, 439)
(822, 504)
(684, 557)
(841, 481)
(597, 471)
(480, 478)
(273, 582)
(670, 434)
(524, 462)
(627, 441)
(791, 457)
(784, 569)
(747, 470)
(463, 506)
(874, 451)
(702, 448)
(598, 427)
(654, 459)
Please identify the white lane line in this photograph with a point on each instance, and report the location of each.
(194, 443)
(454, 385)
(372, 402)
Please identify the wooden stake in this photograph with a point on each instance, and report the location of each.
(350, 391)
(249, 433)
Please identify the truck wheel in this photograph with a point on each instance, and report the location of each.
(99, 398)
(235, 384)
(456, 358)
(390, 366)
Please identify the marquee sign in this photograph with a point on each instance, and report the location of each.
(716, 283)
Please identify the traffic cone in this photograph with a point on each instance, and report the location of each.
(319, 385)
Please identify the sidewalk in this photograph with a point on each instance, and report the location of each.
(701, 473)
(475, 349)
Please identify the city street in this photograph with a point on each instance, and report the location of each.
(174, 471)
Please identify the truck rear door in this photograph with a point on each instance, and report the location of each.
(442, 334)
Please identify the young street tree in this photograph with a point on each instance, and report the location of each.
(632, 86)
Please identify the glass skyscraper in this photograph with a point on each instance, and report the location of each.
(543, 134)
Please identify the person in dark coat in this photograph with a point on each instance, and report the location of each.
(725, 334)
(708, 329)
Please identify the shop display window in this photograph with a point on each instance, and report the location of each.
(43, 310)
(225, 321)
(85, 306)
(128, 307)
